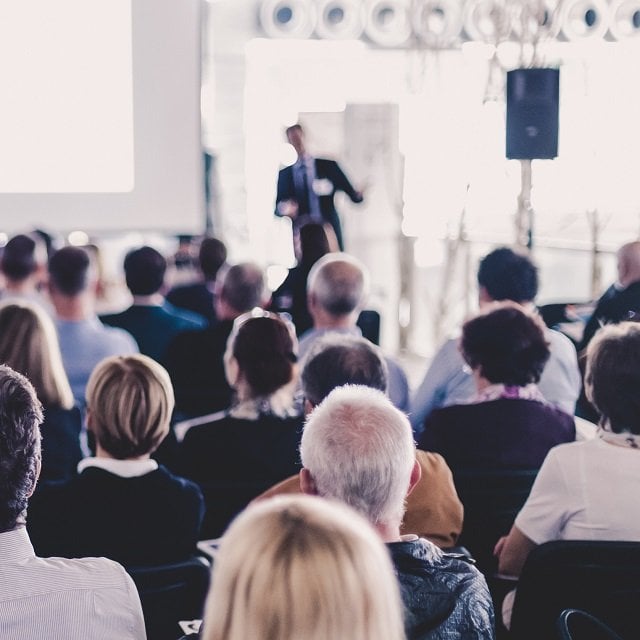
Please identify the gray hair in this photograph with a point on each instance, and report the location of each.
(243, 286)
(335, 360)
(359, 449)
(339, 283)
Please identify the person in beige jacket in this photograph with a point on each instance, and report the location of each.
(434, 510)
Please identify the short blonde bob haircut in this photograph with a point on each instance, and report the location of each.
(302, 568)
(129, 404)
(29, 345)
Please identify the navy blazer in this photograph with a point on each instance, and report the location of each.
(325, 170)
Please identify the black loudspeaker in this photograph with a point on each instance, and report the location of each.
(532, 113)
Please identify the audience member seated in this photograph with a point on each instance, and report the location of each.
(151, 320)
(337, 288)
(298, 567)
(621, 301)
(357, 448)
(49, 598)
(589, 490)
(24, 267)
(256, 441)
(291, 295)
(506, 275)
(198, 297)
(28, 344)
(195, 358)
(508, 425)
(433, 508)
(123, 505)
(84, 340)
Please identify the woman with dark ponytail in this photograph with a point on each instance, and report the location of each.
(238, 453)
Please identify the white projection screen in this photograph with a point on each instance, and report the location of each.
(100, 115)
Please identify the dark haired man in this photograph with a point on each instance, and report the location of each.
(23, 265)
(198, 297)
(85, 598)
(84, 340)
(151, 320)
(306, 188)
(503, 274)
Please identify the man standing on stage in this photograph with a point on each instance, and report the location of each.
(306, 188)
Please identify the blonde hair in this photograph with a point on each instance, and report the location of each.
(29, 345)
(302, 568)
(129, 400)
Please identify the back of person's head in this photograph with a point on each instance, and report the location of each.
(29, 345)
(506, 344)
(211, 256)
(22, 256)
(144, 271)
(629, 263)
(20, 418)
(298, 567)
(243, 287)
(359, 449)
(70, 271)
(338, 283)
(264, 349)
(508, 275)
(612, 377)
(335, 360)
(129, 403)
(313, 244)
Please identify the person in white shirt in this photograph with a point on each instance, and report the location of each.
(49, 598)
(589, 490)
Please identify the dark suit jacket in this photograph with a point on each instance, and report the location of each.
(195, 297)
(615, 305)
(196, 367)
(61, 450)
(154, 327)
(325, 170)
(146, 520)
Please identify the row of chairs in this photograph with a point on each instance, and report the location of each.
(602, 578)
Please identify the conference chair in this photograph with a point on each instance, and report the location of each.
(170, 593)
(574, 624)
(491, 501)
(602, 578)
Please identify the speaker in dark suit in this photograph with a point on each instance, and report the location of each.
(306, 189)
(532, 113)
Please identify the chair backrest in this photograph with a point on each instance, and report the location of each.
(574, 624)
(491, 500)
(602, 578)
(224, 501)
(170, 593)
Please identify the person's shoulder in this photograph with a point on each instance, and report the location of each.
(175, 482)
(88, 573)
(558, 341)
(119, 338)
(188, 319)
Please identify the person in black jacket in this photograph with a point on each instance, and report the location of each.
(237, 454)
(123, 505)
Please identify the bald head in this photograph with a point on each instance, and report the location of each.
(337, 286)
(629, 263)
